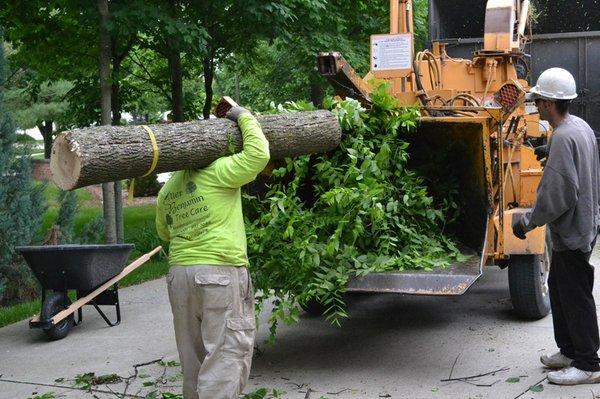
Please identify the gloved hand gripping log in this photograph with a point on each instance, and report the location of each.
(101, 154)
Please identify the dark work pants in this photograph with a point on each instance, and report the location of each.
(571, 280)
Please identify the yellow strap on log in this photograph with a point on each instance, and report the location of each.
(152, 166)
(154, 150)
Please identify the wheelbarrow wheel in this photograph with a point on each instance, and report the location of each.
(528, 283)
(55, 303)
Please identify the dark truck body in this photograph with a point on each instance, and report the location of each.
(566, 34)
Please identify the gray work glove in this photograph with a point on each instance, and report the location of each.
(519, 228)
(235, 112)
(521, 224)
(541, 152)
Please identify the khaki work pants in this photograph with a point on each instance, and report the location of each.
(213, 314)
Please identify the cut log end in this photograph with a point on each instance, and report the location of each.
(103, 154)
(66, 167)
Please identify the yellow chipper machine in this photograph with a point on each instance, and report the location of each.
(476, 130)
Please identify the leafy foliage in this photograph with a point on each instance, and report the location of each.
(47, 395)
(36, 103)
(352, 212)
(146, 186)
(21, 206)
(89, 380)
(284, 68)
(66, 215)
(93, 231)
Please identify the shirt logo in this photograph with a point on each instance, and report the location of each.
(190, 187)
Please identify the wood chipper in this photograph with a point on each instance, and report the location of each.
(476, 130)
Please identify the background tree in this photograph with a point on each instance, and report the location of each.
(21, 205)
(285, 68)
(41, 105)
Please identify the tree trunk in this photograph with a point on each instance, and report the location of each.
(120, 224)
(118, 55)
(105, 60)
(46, 129)
(115, 98)
(317, 94)
(108, 192)
(100, 154)
(176, 85)
(208, 64)
(238, 93)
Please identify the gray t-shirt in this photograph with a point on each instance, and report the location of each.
(569, 193)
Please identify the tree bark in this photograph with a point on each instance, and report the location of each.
(115, 97)
(46, 128)
(108, 192)
(100, 154)
(176, 85)
(317, 94)
(238, 93)
(118, 54)
(120, 223)
(209, 65)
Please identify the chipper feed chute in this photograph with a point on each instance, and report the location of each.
(474, 143)
(452, 154)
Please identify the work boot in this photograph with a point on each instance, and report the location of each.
(573, 376)
(556, 361)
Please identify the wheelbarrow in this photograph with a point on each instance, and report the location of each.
(93, 271)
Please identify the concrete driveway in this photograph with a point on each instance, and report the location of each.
(391, 347)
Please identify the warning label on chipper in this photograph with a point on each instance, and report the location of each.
(390, 52)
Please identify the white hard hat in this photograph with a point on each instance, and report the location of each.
(554, 84)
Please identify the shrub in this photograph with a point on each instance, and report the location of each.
(66, 215)
(21, 207)
(93, 231)
(25, 138)
(147, 186)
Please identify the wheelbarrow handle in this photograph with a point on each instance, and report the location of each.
(82, 301)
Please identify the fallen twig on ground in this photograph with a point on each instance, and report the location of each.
(339, 392)
(131, 378)
(480, 385)
(118, 395)
(528, 388)
(453, 364)
(66, 387)
(476, 376)
(136, 366)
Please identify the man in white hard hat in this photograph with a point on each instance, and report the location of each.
(568, 202)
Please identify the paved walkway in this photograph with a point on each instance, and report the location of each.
(391, 347)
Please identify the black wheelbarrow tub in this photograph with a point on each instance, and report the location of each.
(75, 267)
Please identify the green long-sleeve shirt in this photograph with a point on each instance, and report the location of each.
(200, 211)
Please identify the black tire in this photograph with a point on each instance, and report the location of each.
(528, 283)
(53, 304)
(313, 307)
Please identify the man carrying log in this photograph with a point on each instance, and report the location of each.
(200, 213)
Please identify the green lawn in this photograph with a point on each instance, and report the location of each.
(139, 230)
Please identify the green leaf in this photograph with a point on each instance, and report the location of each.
(513, 380)
(536, 388)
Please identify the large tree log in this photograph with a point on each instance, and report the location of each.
(107, 153)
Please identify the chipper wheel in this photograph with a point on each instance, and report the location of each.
(53, 304)
(528, 283)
